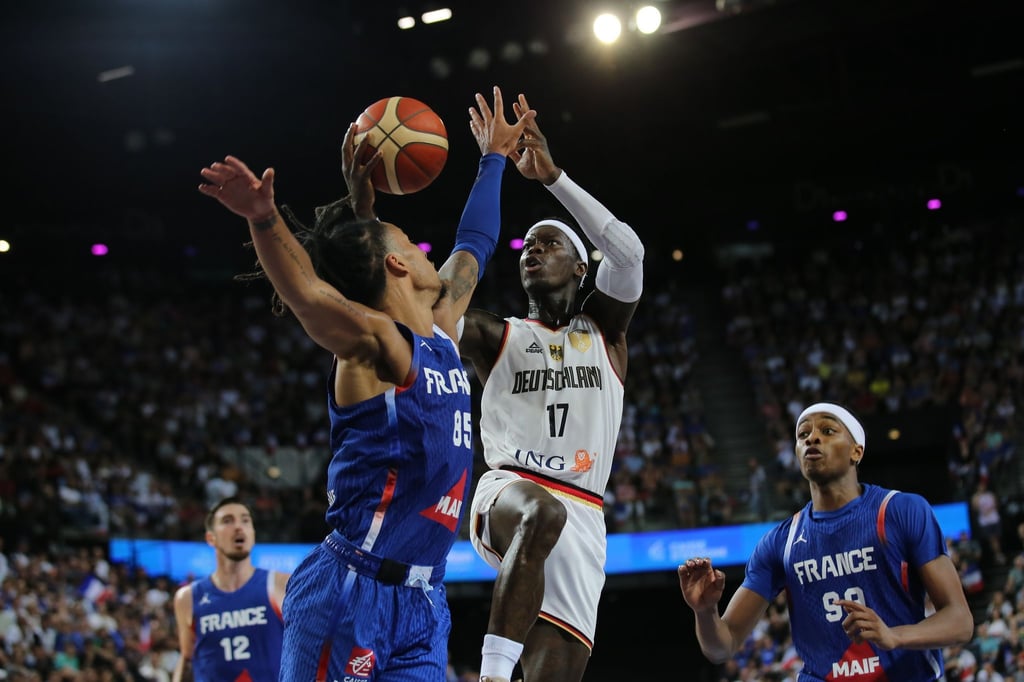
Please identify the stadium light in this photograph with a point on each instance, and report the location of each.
(405, 23)
(648, 19)
(607, 28)
(436, 15)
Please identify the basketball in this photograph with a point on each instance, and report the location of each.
(412, 139)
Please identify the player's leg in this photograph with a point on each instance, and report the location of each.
(524, 523)
(553, 654)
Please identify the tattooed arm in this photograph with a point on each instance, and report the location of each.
(350, 330)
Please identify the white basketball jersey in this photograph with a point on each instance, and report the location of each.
(554, 403)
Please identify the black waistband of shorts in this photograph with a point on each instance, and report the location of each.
(561, 487)
(387, 571)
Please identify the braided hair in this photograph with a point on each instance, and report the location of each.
(347, 254)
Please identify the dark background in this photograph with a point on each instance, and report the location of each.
(871, 106)
(769, 117)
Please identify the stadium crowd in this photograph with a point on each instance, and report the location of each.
(128, 407)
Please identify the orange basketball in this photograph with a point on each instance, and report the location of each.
(412, 139)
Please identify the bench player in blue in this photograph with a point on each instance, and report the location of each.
(229, 623)
(856, 563)
(369, 602)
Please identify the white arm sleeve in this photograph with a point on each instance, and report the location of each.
(620, 273)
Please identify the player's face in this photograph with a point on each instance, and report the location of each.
(424, 273)
(548, 259)
(825, 448)
(233, 534)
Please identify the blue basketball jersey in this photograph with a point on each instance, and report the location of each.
(238, 634)
(402, 460)
(870, 552)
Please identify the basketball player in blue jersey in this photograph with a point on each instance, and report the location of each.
(856, 563)
(551, 409)
(229, 623)
(369, 602)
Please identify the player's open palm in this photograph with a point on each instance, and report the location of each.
(232, 183)
(533, 157)
(701, 584)
(493, 133)
(863, 624)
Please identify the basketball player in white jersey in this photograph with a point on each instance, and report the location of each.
(551, 408)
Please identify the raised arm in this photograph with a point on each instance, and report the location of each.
(619, 279)
(346, 328)
(480, 223)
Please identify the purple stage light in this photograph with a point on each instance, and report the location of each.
(516, 244)
(839, 216)
(99, 250)
(425, 247)
(934, 204)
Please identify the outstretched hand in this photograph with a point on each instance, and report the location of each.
(235, 186)
(492, 132)
(357, 174)
(701, 584)
(532, 156)
(862, 623)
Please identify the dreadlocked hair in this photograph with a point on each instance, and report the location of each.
(348, 255)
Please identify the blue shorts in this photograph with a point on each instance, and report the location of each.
(350, 616)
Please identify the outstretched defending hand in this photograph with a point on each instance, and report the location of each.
(532, 157)
(862, 623)
(232, 183)
(492, 132)
(357, 174)
(701, 585)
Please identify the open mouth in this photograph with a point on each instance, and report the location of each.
(532, 265)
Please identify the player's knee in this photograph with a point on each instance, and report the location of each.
(542, 522)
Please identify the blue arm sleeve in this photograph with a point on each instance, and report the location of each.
(481, 218)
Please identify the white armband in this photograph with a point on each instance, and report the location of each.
(620, 273)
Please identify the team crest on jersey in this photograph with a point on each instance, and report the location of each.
(448, 509)
(583, 461)
(360, 662)
(556, 351)
(580, 340)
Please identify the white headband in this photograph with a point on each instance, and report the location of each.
(840, 413)
(568, 232)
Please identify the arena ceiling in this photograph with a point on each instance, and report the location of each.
(721, 113)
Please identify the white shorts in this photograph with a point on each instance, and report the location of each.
(574, 571)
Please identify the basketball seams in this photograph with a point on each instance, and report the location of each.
(415, 155)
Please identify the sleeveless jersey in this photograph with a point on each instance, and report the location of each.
(237, 634)
(869, 551)
(566, 378)
(402, 459)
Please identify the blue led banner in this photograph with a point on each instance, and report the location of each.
(627, 552)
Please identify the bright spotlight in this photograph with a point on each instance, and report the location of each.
(5, 246)
(405, 23)
(434, 16)
(648, 19)
(607, 28)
